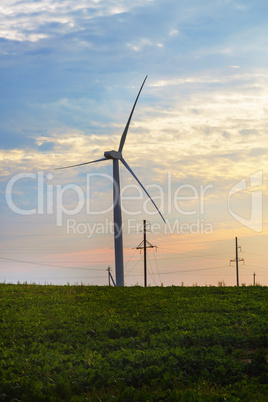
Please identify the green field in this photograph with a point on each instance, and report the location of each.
(78, 343)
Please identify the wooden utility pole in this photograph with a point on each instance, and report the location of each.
(144, 245)
(109, 280)
(236, 260)
(254, 275)
(145, 257)
(110, 277)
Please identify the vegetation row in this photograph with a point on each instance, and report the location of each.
(78, 343)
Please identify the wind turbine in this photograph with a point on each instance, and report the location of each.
(117, 156)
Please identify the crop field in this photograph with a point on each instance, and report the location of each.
(79, 343)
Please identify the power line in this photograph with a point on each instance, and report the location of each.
(193, 270)
(258, 254)
(137, 261)
(48, 265)
(157, 267)
(152, 272)
(130, 257)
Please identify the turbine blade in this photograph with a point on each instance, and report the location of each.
(124, 135)
(135, 177)
(80, 164)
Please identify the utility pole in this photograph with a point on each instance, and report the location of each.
(144, 245)
(110, 277)
(145, 257)
(254, 275)
(236, 260)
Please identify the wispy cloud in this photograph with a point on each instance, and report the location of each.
(142, 43)
(173, 32)
(217, 125)
(32, 21)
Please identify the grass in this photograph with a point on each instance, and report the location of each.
(77, 343)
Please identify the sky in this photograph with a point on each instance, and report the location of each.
(70, 73)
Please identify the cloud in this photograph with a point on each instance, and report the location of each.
(186, 80)
(219, 127)
(139, 45)
(173, 32)
(32, 21)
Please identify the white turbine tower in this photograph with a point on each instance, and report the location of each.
(117, 156)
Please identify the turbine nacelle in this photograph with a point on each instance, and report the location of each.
(113, 155)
